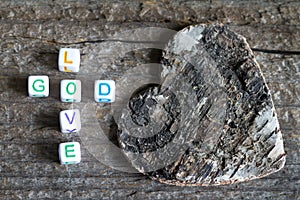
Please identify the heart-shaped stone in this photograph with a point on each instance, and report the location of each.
(212, 119)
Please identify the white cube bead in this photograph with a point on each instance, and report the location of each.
(70, 90)
(38, 86)
(69, 153)
(104, 91)
(70, 121)
(69, 60)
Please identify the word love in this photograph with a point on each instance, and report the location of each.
(70, 91)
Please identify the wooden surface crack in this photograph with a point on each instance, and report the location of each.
(274, 51)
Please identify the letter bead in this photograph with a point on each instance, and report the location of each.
(69, 153)
(69, 60)
(104, 91)
(70, 121)
(38, 86)
(70, 90)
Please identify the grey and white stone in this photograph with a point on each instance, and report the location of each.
(212, 119)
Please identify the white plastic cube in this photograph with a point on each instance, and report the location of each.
(38, 86)
(104, 91)
(70, 121)
(70, 90)
(69, 153)
(69, 60)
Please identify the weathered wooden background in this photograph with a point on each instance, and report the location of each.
(32, 32)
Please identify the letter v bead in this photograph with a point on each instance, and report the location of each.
(67, 116)
(70, 121)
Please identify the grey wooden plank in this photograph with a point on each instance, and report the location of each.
(144, 188)
(132, 194)
(31, 34)
(105, 182)
(240, 12)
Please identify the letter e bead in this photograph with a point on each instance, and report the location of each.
(69, 153)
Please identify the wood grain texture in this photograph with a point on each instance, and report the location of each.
(31, 34)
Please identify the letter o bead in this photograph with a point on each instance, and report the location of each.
(38, 86)
(70, 90)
